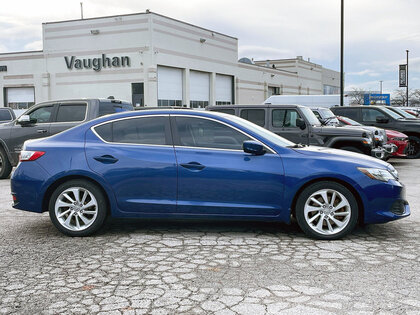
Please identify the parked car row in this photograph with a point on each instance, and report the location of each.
(299, 124)
(387, 118)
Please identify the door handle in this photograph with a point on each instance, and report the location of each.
(106, 159)
(41, 131)
(194, 166)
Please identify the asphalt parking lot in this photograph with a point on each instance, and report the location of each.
(191, 267)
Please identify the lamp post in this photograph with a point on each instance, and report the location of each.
(406, 81)
(380, 86)
(341, 56)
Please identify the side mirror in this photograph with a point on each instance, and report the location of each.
(300, 123)
(253, 147)
(382, 119)
(24, 120)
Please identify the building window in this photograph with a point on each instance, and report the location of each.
(199, 89)
(223, 103)
(224, 89)
(20, 98)
(169, 102)
(329, 89)
(273, 90)
(199, 104)
(169, 86)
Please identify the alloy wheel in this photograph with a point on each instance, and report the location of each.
(76, 208)
(327, 211)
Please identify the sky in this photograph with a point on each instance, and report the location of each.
(377, 32)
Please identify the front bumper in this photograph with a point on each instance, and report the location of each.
(388, 203)
(384, 151)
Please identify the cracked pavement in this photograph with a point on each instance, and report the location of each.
(209, 267)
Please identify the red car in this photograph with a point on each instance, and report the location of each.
(395, 137)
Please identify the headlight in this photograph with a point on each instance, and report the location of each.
(379, 174)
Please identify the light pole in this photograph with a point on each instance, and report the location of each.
(406, 81)
(342, 56)
(380, 86)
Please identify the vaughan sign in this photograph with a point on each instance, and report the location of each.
(96, 63)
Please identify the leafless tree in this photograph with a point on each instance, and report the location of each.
(356, 95)
(400, 97)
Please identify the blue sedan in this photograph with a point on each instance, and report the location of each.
(193, 164)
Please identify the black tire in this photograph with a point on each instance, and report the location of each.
(352, 149)
(349, 223)
(5, 166)
(96, 221)
(413, 149)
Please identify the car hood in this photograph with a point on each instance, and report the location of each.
(345, 156)
(342, 131)
(395, 134)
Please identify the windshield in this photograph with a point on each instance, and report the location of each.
(326, 113)
(392, 113)
(310, 116)
(402, 112)
(351, 121)
(270, 136)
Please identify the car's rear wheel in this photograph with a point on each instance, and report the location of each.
(5, 166)
(326, 210)
(413, 147)
(78, 208)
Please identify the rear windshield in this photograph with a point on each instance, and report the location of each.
(106, 108)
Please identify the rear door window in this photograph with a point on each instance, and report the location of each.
(257, 116)
(141, 130)
(71, 112)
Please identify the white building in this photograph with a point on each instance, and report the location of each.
(151, 60)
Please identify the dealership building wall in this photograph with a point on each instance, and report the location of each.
(151, 60)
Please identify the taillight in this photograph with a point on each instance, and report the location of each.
(30, 155)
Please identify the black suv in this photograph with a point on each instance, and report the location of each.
(299, 124)
(383, 117)
(49, 118)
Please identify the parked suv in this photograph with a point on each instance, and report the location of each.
(49, 118)
(327, 117)
(383, 117)
(299, 124)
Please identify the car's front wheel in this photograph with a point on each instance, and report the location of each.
(78, 208)
(413, 148)
(326, 210)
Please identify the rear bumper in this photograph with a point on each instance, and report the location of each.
(26, 186)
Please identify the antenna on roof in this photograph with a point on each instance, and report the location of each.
(81, 10)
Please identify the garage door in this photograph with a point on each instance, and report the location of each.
(224, 90)
(169, 86)
(199, 89)
(20, 98)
